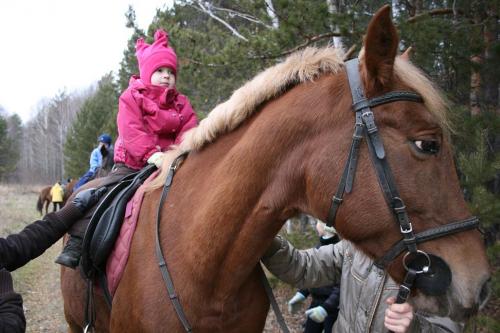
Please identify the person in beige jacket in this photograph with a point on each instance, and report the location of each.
(367, 293)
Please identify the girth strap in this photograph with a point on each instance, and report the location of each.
(427, 235)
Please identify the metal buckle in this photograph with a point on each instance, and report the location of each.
(425, 268)
(337, 200)
(177, 162)
(406, 231)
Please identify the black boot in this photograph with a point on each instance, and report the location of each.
(70, 255)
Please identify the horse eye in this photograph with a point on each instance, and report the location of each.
(427, 146)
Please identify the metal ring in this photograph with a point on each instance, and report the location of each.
(425, 269)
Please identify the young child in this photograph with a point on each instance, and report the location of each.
(324, 308)
(152, 116)
(57, 194)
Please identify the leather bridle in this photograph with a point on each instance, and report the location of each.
(365, 127)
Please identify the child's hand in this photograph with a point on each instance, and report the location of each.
(398, 317)
(295, 302)
(317, 314)
(156, 159)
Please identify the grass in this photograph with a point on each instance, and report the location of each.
(38, 281)
(17, 209)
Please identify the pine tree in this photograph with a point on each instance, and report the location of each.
(96, 116)
(15, 134)
(478, 164)
(8, 157)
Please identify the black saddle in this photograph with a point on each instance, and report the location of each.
(105, 226)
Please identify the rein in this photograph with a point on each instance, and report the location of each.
(167, 278)
(417, 263)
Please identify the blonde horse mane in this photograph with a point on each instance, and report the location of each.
(302, 66)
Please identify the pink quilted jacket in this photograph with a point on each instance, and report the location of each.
(150, 119)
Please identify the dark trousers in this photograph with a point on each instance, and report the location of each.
(119, 171)
(55, 204)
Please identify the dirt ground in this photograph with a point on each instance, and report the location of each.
(38, 281)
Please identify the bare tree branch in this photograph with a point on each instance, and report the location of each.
(434, 12)
(207, 9)
(309, 41)
(350, 52)
(245, 16)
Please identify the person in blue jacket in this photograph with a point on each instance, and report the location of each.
(95, 159)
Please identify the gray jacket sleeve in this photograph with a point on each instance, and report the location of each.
(423, 323)
(306, 268)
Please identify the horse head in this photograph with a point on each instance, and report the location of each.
(416, 146)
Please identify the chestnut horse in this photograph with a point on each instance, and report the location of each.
(278, 147)
(44, 198)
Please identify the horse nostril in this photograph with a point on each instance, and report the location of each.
(484, 294)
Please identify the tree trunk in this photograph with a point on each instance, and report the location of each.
(475, 85)
(334, 7)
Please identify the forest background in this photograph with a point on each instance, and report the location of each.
(222, 44)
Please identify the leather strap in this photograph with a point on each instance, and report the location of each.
(272, 300)
(89, 307)
(427, 235)
(405, 287)
(167, 278)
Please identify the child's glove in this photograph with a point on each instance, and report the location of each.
(294, 302)
(317, 314)
(156, 159)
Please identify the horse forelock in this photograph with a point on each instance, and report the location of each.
(416, 80)
(302, 66)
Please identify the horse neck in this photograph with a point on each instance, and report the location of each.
(252, 180)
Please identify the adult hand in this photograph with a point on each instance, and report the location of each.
(88, 198)
(156, 159)
(398, 317)
(294, 302)
(317, 314)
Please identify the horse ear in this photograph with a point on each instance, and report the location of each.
(407, 54)
(381, 45)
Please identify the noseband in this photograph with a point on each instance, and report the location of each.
(427, 272)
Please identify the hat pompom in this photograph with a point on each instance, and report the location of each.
(139, 44)
(161, 37)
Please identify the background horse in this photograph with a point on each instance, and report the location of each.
(44, 198)
(277, 148)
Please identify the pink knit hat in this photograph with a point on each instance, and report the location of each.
(151, 57)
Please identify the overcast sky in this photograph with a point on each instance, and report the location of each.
(51, 45)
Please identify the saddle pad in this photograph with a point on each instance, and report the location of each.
(119, 255)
